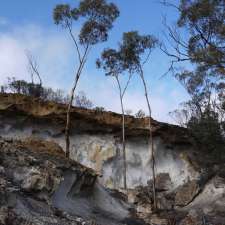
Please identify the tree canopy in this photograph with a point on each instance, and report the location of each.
(203, 22)
(134, 46)
(97, 16)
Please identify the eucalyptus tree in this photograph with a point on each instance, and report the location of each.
(97, 17)
(36, 90)
(113, 65)
(198, 38)
(33, 67)
(135, 51)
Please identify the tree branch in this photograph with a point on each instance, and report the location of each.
(33, 66)
(166, 3)
(147, 57)
(74, 39)
(128, 81)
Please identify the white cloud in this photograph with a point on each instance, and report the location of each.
(55, 55)
(51, 49)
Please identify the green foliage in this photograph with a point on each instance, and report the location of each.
(129, 55)
(205, 21)
(57, 95)
(97, 16)
(99, 109)
(140, 114)
(204, 113)
(208, 132)
(62, 15)
(45, 93)
(111, 61)
(134, 46)
(23, 87)
(82, 101)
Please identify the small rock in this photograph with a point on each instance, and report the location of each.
(192, 219)
(155, 220)
(37, 182)
(144, 209)
(21, 159)
(163, 182)
(3, 215)
(2, 170)
(219, 182)
(36, 179)
(49, 164)
(2, 182)
(186, 193)
(165, 201)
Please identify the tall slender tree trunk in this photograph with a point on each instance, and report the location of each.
(123, 137)
(40, 80)
(32, 78)
(67, 129)
(68, 122)
(124, 147)
(151, 144)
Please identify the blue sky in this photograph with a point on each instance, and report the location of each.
(28, 25)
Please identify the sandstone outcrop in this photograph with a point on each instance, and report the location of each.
(96, 140)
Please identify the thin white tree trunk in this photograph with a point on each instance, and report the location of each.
(151, 144)
(123, 136)
(67, 128)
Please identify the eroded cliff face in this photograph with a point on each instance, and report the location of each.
(95, 140)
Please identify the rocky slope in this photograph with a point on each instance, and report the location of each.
(39, 186)
(197, 202)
